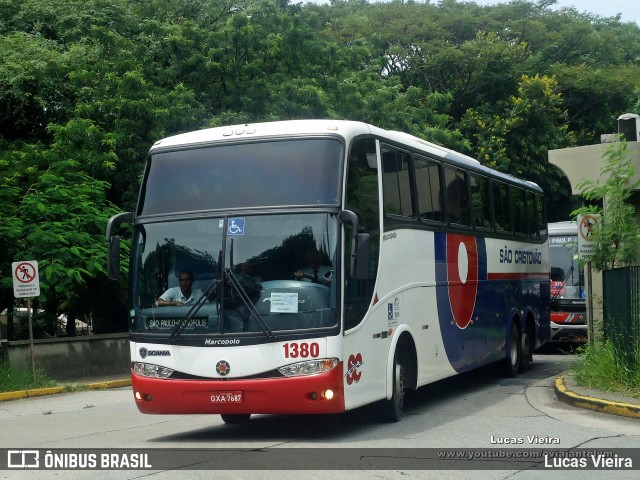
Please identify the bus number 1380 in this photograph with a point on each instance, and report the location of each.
(301, 350)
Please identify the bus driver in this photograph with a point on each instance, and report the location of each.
(315, 263)
(181, 295)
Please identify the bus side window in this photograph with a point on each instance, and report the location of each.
(541, 217)
(532, 221)
(396, 183)
(480, 204)
(429, 189)
(457, 196)
(518, 205)
(501, 212)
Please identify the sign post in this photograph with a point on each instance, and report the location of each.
(586, 225)
(26, 284)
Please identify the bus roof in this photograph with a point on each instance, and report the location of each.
(266, 130)
(563, 228)
(346, 128)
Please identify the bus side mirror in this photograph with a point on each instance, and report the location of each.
(359, 265)
(113, 255)
(113, 258)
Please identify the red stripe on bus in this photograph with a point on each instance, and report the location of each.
(290, 395)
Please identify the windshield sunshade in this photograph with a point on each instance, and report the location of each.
(292, 172)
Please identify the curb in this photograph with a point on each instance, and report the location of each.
(38, 392)
(592, 403)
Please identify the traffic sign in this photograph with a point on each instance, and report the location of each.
(26, 281)
(586, 225)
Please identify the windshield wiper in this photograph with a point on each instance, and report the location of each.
(184, 321)
(244, 296)
(225, 277)
(234, 282)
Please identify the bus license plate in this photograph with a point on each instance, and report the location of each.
(226, 397)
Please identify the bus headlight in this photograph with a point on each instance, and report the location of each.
(310, 367)
(149, 370)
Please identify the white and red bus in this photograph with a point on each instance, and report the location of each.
(568, 304)
(335, 264)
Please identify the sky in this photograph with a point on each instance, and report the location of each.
(630, 9)
(605, 8)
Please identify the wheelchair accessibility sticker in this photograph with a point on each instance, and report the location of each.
(235, 226)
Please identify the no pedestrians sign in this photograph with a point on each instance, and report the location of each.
(586, 224)
(26, 281)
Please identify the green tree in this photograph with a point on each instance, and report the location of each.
(89, 85)
(594, 96)
(514, 136)
(32, 88)
(55, 213)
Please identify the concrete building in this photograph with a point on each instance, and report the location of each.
(585, 163)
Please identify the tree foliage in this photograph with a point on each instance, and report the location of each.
(514, 134)
(86, 86)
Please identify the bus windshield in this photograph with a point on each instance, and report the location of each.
(282, 268)
(565, 270)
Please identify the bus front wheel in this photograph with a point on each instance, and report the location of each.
(235, 418)
(392, 408)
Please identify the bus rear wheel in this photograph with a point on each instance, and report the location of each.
(526, 358)
(392, 408)
(235, 419)
(514, 355)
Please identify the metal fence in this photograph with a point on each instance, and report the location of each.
(44, 325)
(621, 295)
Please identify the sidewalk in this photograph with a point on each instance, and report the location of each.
(101, 383)
(566, 389)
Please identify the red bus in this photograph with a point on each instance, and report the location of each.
(317, 266)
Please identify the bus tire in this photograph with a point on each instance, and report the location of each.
(514, 354)
(526, 357)
(235, 419)
(393, 408)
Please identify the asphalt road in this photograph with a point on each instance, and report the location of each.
(472, 411)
